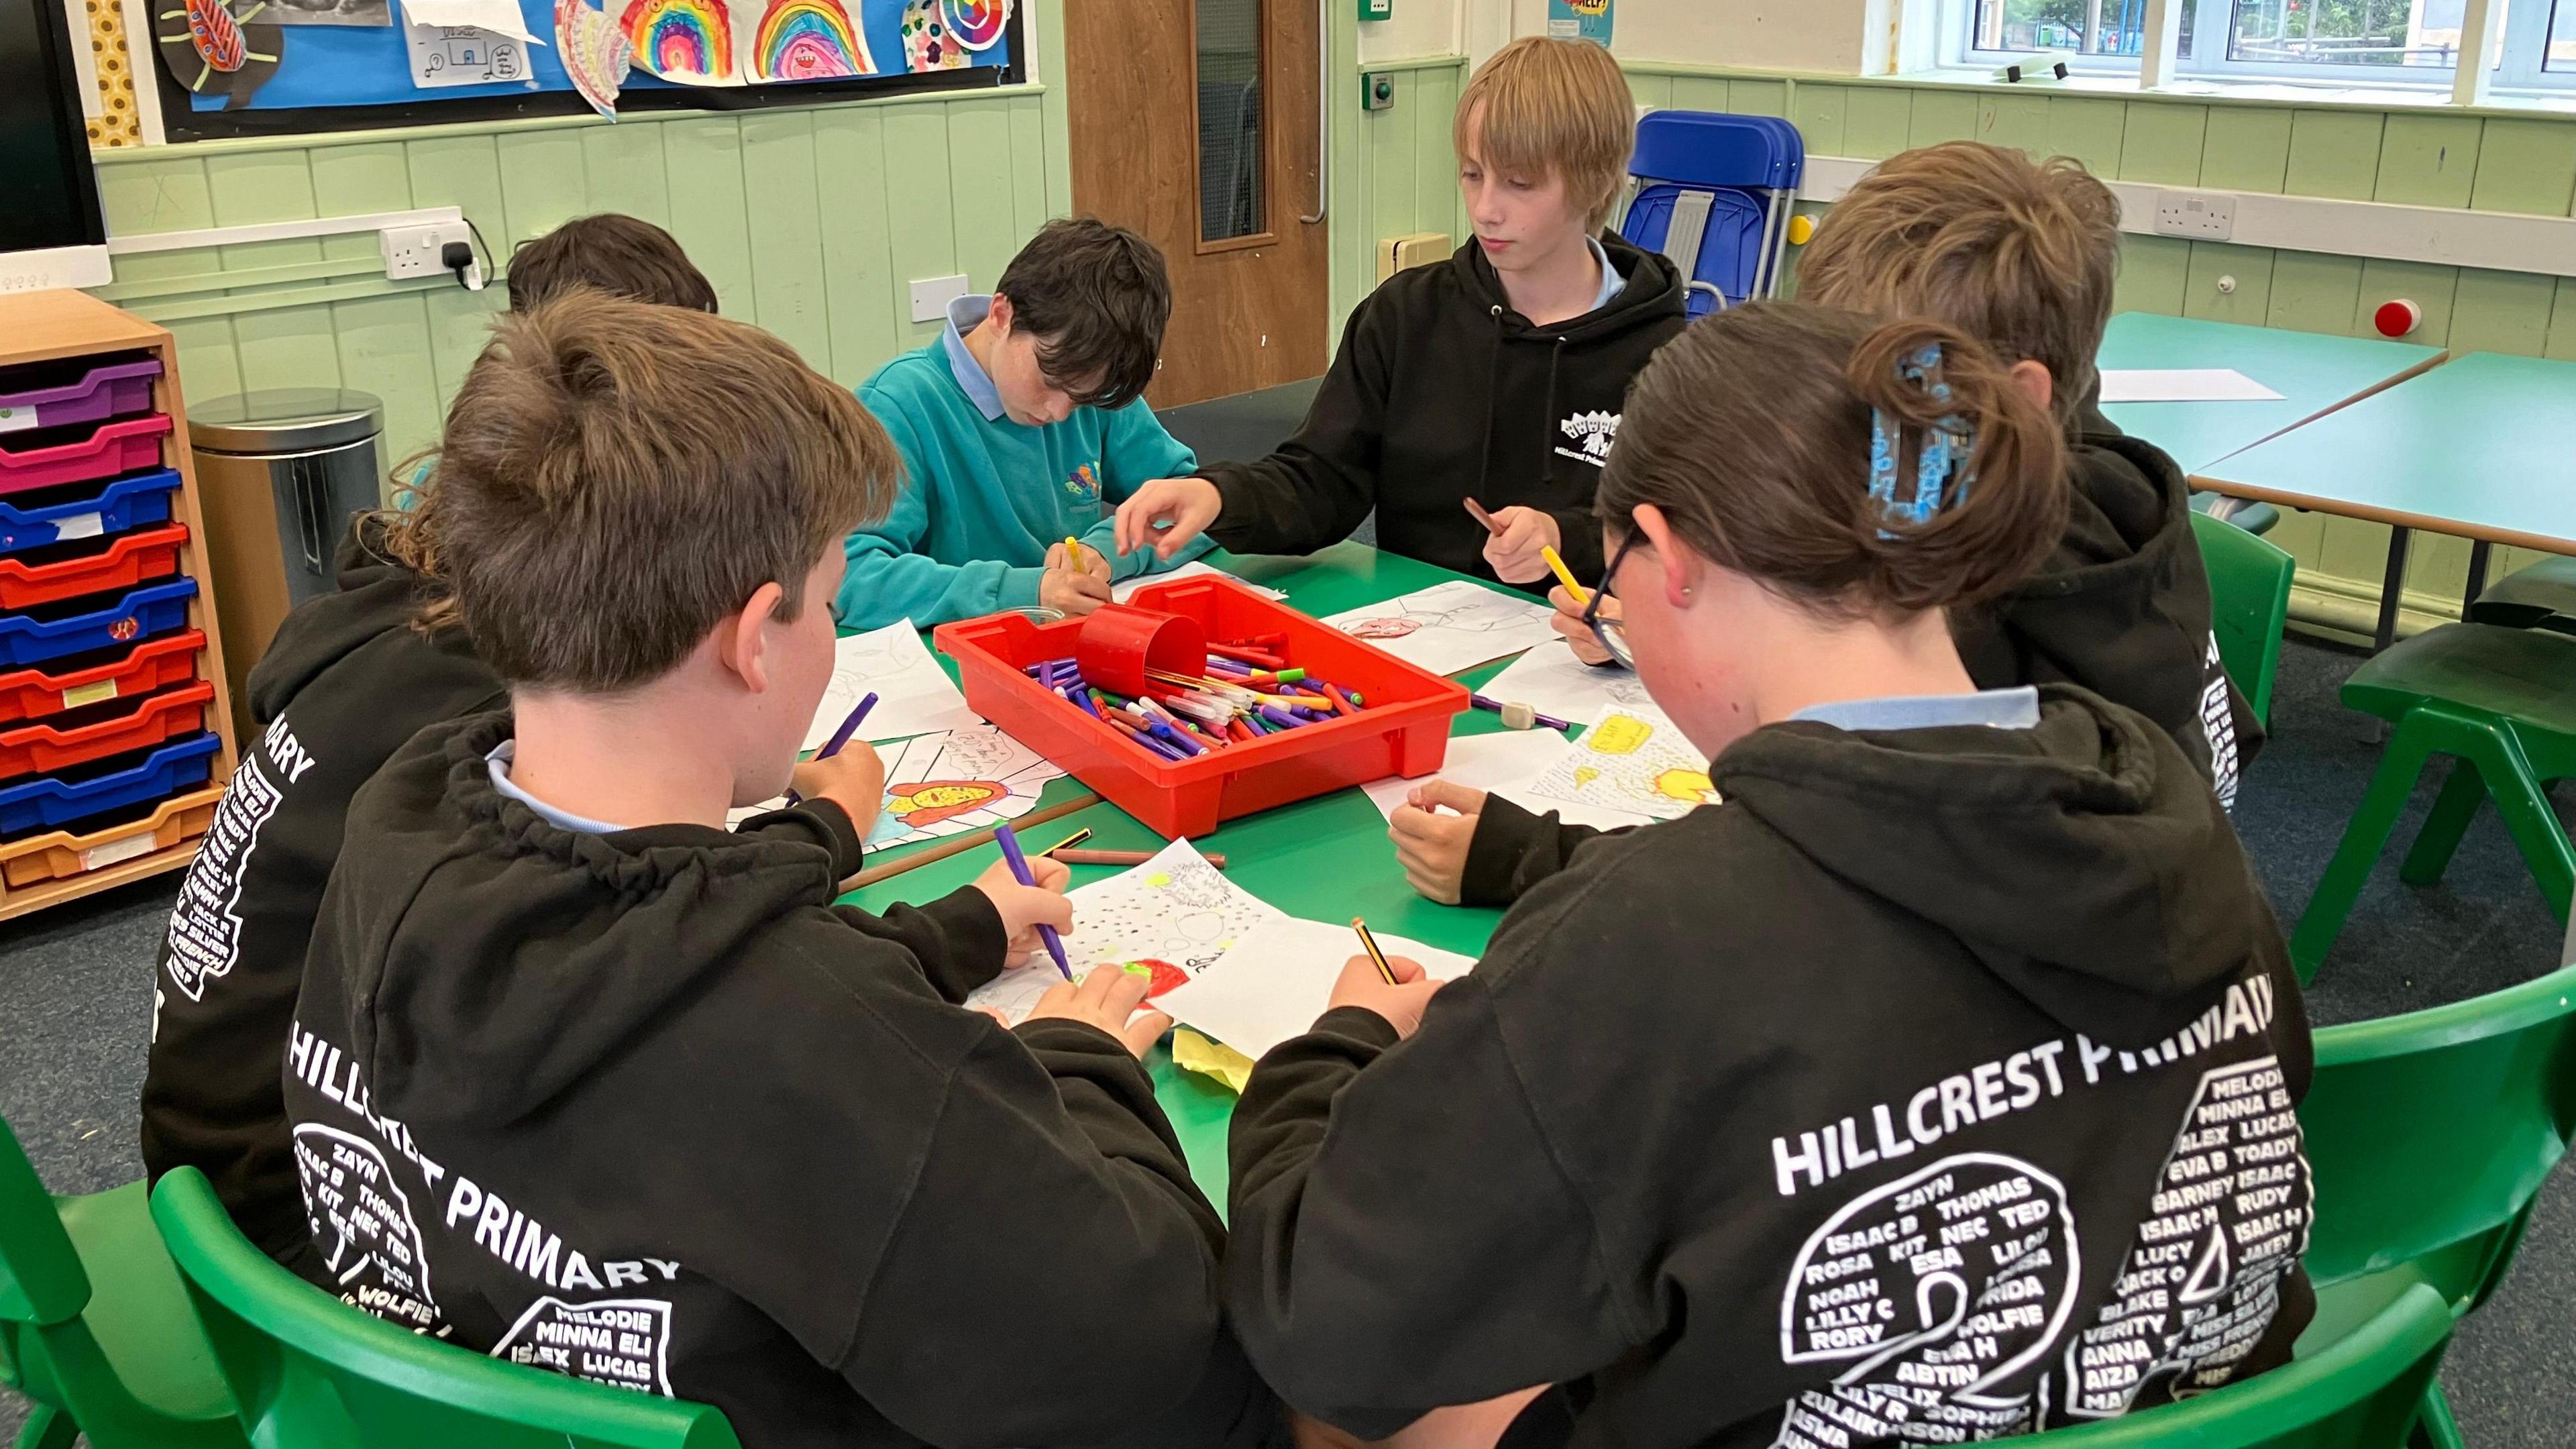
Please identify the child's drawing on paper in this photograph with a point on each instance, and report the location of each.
(1631, 761)
(1451, 626)
(948, 784)
(1175, 914)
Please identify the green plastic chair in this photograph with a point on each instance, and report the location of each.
(95, 1327)
(2246, 513)
(312, 1372)
(2503, 701)
(2249, 595)
(2430, 1135)
(2539, 596)
(2361, 1371)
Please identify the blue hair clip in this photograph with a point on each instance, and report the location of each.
(1945, 445)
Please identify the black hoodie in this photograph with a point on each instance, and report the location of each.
(1442, 392)
(1938, 1085)
(344, 683)
(648, 1108)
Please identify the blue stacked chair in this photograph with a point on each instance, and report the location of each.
(1714, 192)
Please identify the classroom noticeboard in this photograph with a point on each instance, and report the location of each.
(233, 67)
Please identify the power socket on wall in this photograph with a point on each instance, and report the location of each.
(2197, 215)
(414, 251)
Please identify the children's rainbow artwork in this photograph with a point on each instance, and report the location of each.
(807, 40)
(594, 52)
(681, 40)
(977, 24)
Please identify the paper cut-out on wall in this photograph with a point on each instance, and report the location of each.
(927, 44)
(682, 40)
(807, 40)
(977, 24)
(594, 50)
(215, 52)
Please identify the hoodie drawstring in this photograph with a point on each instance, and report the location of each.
(1493, 385)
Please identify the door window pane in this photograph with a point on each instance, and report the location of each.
(2561, 53)
(1230, 150)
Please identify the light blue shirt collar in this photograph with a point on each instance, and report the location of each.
(963, 315)
(499, 760)
(2004, 709)
(1612, 284)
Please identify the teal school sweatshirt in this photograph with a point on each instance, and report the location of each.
(983, 498)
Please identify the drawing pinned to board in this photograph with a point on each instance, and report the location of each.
(807, 40)
(1631, 761)
(1175, 915)
(682, 40)
(927, 45)
(977, 24)
(333, 12)
(1451, 626)
(595, 52)
(215, 52)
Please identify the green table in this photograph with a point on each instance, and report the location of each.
(2315, 374)
(1326, 858)
(2478, 448)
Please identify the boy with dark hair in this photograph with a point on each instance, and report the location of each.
(347, 679)
(583, 1081)
(1017, 426)
(621, 255)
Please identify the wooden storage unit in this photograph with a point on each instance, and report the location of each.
(61, 346)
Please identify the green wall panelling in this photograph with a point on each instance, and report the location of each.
(2562, 323)
(543, 184)
(2020, 122)
(923, 242)
(2164, 144)
(1701, 93)
(2526, 166)
(2089, 129)
(1651, 90)
(1941, 115)
(1436, 200)
(2501, 312)
(979, 160)
(2154, 271)
(2249, 304)
(787, 288)
(1877, 122)
(703, 160)
(2247, 148)
(2334, 153)
(1028, 168)
(1393, 172)
(2431, 287)
(625, 171)
(2427, 160)
(2312, 292)
(1758, 97)
(866, 303)
(1818, 111)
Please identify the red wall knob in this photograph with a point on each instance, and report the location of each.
(2397, 318)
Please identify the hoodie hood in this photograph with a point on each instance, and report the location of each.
(499, 959)
(2093, 810)
(1652, 297)
(376, 596)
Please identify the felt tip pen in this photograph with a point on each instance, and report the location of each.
(1073, 551)
(1019, 864)
(841, 736)
(1517, 715)
(1565, 575)
(1376, 957)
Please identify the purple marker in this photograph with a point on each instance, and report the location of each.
(1019, 863)
(842, 735)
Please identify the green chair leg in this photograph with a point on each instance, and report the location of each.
(2434, 1425)
(2528, 817)
(48, 1428)
(2457, 805)
(2363, 839)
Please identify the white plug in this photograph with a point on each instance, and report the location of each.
(418, 251)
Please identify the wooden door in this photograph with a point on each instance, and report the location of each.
(1194, 122)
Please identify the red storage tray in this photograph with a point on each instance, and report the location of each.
(128, 560)
(37, 748)
(118, 447)
(1403, 731)
(150, 665)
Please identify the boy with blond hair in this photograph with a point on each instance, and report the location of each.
(1497, 376)
(581, 1080)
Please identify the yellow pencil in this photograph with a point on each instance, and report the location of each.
(1377, 957)
(1073, 550)
(1564, 575)
(1076, 838)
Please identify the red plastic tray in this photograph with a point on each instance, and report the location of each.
(37, 748)
(129, 560)
(150, 665)
(1404, 730)
(118, 447)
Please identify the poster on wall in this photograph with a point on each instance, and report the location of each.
(234, 67)
(1579, 20)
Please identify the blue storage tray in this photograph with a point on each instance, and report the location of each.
(143, 614)
(46, 803)
(126, 503)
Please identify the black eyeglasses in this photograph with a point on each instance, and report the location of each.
(1610, 633)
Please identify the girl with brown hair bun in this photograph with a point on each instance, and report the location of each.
(1936, 1086)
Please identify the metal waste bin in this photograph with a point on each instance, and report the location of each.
(279, 473)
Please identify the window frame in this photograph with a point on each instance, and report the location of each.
(2521, 68)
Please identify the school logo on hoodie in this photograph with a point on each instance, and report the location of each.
(1592, 434)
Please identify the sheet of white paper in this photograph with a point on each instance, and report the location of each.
(1176, 910)
(1552, 681)
(2182, 384)
(1276, 980)
(1629, 760)
(914, 695)
(947, 784)
(1121, 593)
(1449, 627)
(1506, 763)
(463, 55)
(500, 17)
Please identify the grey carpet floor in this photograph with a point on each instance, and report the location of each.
(76, 983)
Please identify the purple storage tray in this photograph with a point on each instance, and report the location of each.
(109, 391)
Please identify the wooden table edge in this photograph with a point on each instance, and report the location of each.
(2424, 523)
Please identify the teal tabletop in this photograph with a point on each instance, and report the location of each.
(2315, 373)
(1326, 858)
(2477, 447)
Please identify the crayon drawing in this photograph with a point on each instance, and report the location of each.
(1451, 626)
(1175, 914)
(1630, 761)
(682, 40)
(807, 40)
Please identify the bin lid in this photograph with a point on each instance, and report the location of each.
(285, 420)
